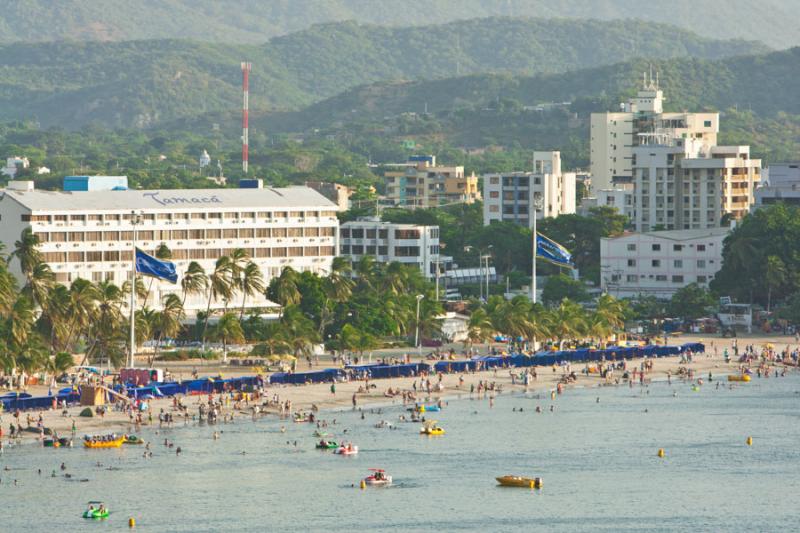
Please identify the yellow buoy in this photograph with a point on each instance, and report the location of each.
(363, 484)
(131, 522)
(661, 452)
(749, 441)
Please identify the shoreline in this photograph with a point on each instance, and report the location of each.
(318, 397)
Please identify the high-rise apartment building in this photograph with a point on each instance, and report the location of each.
(421, 183)
(614, 135)
(683, 183)
(510, 196)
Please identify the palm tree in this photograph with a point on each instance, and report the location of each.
(8, 285)
(194, 281)
(283, 289)
(251, 282)
(774, 275)
(169, 320)
(220, 285)
(479, 327)
(26, 250)
(40, 280)
(108, 325)
(275, 338)
(81, 309)
(228, 329)
(299, 330)
(239, 259)
(569, 320)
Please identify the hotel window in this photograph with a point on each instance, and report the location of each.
(701, 263)
(145, 235)
(126, 255)
(264, 214)
(198, 216)
(357, 249)
(702, 279)
(311, 232)
(279, 232)
(345, 249)
(213, 233)
(655, 263)
(383, 233)
(632, 278)
(661, 277)
(262, 252)
(494, 194)
(631, 262)
(656, 247)
(78, 218)
(677, 247)
(246, 233)
(406, 234)
(60, 218)
(196, 253)
(231, 215)
(494, 180)
(164, 216)
(180, 216)
(345, 233)
(279, 252)
(371, 233)
(295, 232)
(383, 250)
(110, 256)
(295, 251)
(179, 254)
(296, 214)
(43, 237)
(58, 237)
(677, 279)
(149, 216)
(196, 234)
(229, 233)
(279, 214)
(76, 236)
(326, 251)
(95, 218)
(94, 235)
(371, 250)
(177, 234)
(54, 257)
(357, 233)
(701, 247)
(311, 251)
(126, 235)
(262, 233)
(248, 214)
(631, 247)
(677, 263)
(217, 216)
(75, 257)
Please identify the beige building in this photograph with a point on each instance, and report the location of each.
(686, 184)
(421, 183)
(335, 192)
(614, 135)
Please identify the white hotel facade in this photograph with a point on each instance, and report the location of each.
(89, 235)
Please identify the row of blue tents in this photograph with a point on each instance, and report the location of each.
(22, 401)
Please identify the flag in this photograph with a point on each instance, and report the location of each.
(150, 266)
(553, 252)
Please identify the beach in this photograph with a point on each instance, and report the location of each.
(303, 398)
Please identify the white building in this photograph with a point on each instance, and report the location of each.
(90, 234)
(620, 198)
(14, 164)
(687, 184)
(781, 185)
(387, 242)
(510, 196)
(615, 134)
(659, 263)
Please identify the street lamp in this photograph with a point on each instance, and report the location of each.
(136, 219)
(537, 205)
(416, 334)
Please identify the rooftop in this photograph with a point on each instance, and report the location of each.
(678, 234)
(169, 199)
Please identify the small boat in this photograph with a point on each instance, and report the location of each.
(378, 478)
(327, 445)
(113, 442)
(52, 443)
(96, 510)
(133, 439)
(739, 377)
(430, 428)
(519, 481)
(346, 450)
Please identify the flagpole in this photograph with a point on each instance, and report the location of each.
(131, 361)
(535, 250)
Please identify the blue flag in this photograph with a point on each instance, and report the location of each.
(553, 252)
(150, 266)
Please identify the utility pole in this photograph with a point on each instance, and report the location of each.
(246, 68)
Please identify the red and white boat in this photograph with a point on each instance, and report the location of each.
(378, 478)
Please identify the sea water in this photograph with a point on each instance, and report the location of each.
(598, 461)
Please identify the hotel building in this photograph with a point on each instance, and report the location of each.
(421, 183)
(90, 234)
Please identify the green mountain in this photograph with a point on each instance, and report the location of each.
(255, 21)
(142, 83)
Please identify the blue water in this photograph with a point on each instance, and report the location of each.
(598, 461)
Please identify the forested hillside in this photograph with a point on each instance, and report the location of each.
(255, 21)
(142, 83)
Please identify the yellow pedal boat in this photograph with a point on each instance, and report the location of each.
(116, 443)
(519, 481)
(739, 377)
(430, 428)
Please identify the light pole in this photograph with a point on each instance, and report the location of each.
(416, 334)
(537, 204)
(486, 258)
(136, 219)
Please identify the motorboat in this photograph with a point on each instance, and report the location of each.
(378, 478)
(520, 481)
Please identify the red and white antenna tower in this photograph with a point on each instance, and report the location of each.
(246, 67)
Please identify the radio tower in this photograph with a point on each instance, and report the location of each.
(246, 67)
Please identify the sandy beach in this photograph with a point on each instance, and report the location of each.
(303, 397)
